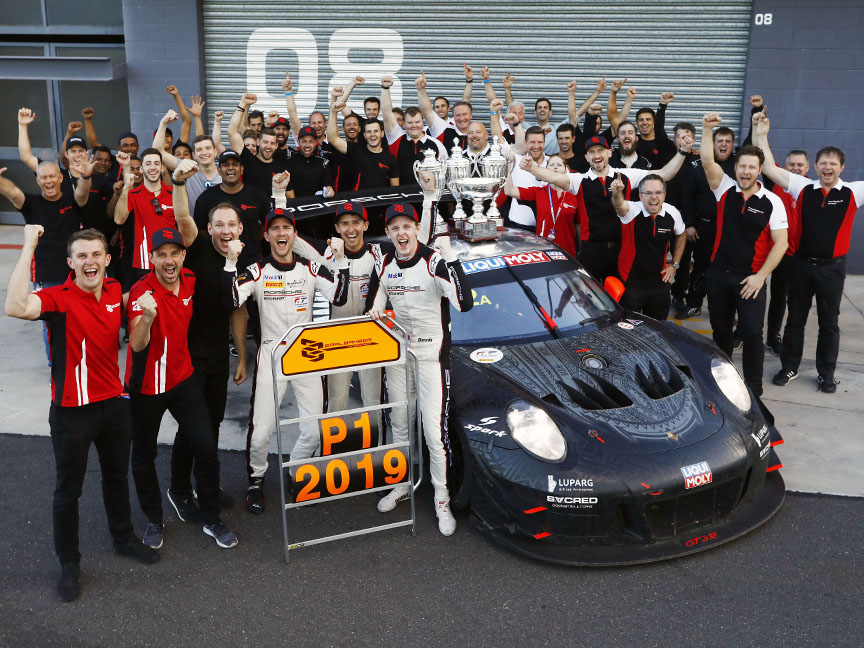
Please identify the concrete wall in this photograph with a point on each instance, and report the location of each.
(163, 47)
(808, 64)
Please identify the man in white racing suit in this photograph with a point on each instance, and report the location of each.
(421, 283)
(283, 285)
(351, 223)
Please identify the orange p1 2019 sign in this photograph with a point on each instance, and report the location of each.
(338, 346)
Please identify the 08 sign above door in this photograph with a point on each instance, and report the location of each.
(386, 42)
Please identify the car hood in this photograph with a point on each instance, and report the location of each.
(624, 385)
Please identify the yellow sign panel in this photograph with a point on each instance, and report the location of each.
(337, 346)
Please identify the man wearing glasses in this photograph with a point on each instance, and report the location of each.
(151, 208)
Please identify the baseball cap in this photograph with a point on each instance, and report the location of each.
(351, 207)
(400, 209)
(279, 213)
(129, 134)
(166, 235)
(307, 131)
(228, 154)
(281, 122)
(75, 141)
(596, 141)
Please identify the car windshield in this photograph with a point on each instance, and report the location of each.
(528, 300)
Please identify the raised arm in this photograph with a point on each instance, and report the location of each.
(574, 113)
(121, 209)
(624, 113)
(390, 123)
(353, 83)
(20, 302)
(518, 147)
(71, 129)
(235, 137)
(196, 109)
(291, 105)
(186, 128)
(660, 117)
(713, 171)
(488, 88)
(673, 166)
(494, 122)
(469, 83)
(336, 104)
(88, 114)
(622, 207)
(168, 159)
(612, 104)
(83, 168)
(216, 133)
(760, 127)
(423, 103)
(185, 223)
(25, 118)
(11, 191)
(508, 89)
(561, 180)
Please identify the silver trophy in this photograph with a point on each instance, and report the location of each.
(431, 175)
(493, 171)
(458, 167)
(496, 165)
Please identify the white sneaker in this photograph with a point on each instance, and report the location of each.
(398, 494)
(446, 521)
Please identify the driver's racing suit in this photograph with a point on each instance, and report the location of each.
(284, 294)
(421, 290)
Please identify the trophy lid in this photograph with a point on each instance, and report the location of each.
(457, 148)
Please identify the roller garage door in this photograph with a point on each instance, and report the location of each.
(698, 50)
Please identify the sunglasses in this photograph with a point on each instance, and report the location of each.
(158, 207)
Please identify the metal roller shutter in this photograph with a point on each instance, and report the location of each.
(698, 50)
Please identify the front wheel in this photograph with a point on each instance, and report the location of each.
(461, 475)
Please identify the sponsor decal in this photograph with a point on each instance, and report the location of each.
(568, 484)
(301, 303)
(274, 284)
(494, 263)
(696, 475)
(110, 307)
(419, 339)
(187, 300)
(634, 322)
(836, 202)
(762, 440)
(525, 258)
(572, 502)
(702, 539)
(481, 265)
(627, 326)
(556, 255)
(358, 343)
(753, 210)
(481, 426)
(394, 275)
(487, 355)
(364, 288)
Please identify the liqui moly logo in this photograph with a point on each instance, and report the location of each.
(696, 475)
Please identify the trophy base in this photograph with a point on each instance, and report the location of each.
(473, 232)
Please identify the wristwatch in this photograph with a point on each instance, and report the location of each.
(676, 265)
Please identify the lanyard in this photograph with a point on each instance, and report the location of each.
(552, 206)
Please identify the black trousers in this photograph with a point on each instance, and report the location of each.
(108, 425)
(650, 299)
(600, 259)
(724, 301)
(704, 246)
(187, 405)
(825, 282)
(682, 277)
(777, 303)
(214, 385)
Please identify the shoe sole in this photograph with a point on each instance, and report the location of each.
(224, 546)
(795, 377)
(176, 508)
(159, 546)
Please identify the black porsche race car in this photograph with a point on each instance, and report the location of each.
(585, 434)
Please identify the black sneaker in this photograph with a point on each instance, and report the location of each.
(153, 535)
(69, 587)
(737, 343)
(784, 377)
(680, 306)
(827, 385)
(185, 506)
(774, 345)
(233, 351)
(255, 497)
(694, 311)
(134, 548)
(224, 536)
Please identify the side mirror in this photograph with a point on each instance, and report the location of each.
(615, 287)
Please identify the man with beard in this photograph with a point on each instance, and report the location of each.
(208, 328)
(409, 143)
(203, 152)
(283, 285)
(160, 377)
(344, 173)
(439, 128)
(653, 142)
(751, 240)
(521, 215)
(650, 228)
(599, 226)
(310, 176)
(626, 155)
(84, 316)
(259, 168)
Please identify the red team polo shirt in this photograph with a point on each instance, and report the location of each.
(83, 335)
(165, 362)
(147, 219)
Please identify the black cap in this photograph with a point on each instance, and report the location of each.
(307, 131)
(228, 154)
(75, 141)
(127, 134)
(279, 213)
(166, 235)
(596, 141)
(281, 122)
(351, 207)
(400, 209)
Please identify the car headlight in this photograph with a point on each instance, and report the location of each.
(534, 430)
(730, 383)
